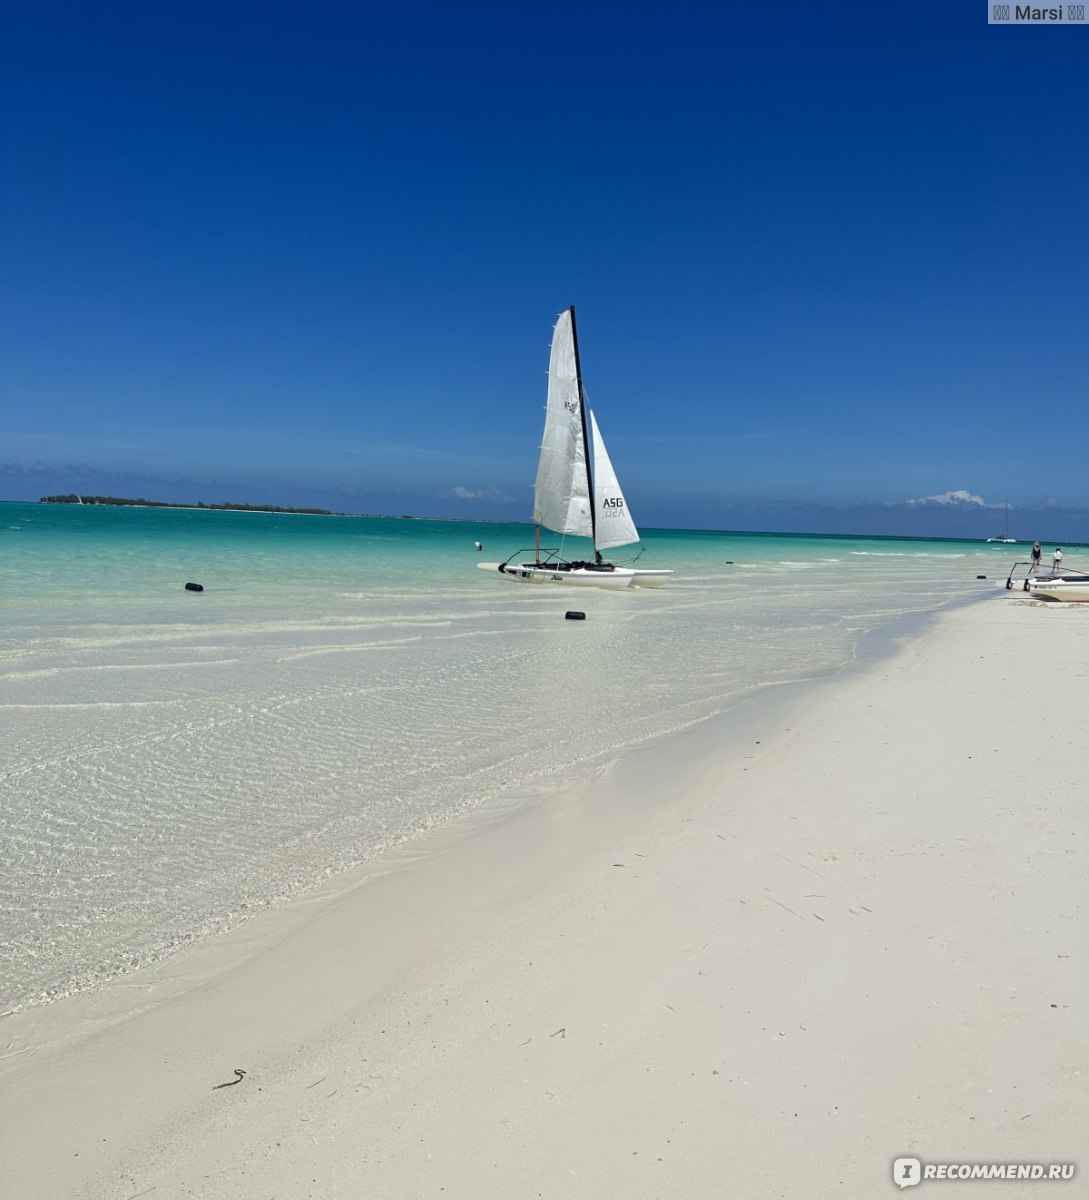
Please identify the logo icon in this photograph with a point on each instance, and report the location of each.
(907, 1172)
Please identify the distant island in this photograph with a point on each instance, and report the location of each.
(73, 498)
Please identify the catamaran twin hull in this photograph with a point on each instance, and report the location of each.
(614, 577)
(649, 578)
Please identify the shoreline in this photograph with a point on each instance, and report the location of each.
(661, 980)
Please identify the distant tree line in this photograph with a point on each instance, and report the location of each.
(74, 498)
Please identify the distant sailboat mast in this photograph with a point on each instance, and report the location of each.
(1006, 536)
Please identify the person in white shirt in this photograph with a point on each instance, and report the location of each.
(1057, 561)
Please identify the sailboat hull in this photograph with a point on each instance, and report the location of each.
(618, 577)
(651, 578)
(1072, 589)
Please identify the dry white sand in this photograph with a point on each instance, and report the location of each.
(762, 958)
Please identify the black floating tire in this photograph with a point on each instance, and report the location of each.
(574, 616)
(194, 587)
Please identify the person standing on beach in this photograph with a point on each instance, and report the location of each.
(1036, 552)
(1057, 561)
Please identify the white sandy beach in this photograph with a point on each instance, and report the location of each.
(763, 958)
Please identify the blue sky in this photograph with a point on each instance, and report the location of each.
(828, 260)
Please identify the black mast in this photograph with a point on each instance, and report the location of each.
(585, 434)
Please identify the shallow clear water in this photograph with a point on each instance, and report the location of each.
(172, 761)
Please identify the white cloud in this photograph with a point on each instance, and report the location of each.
(492, 495)
(954, 498)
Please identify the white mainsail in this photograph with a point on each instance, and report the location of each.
(561, 493)
(614, 526)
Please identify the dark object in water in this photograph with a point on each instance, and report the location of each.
(981, 576)
(194, 587)
(574, 616)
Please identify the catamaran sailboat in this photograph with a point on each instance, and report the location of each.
(1071, 586)
(569, 497)
(1006, 538)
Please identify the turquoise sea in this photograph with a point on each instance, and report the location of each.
(174, 761)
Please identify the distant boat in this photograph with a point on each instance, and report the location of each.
(569, 497)
(1007, 539)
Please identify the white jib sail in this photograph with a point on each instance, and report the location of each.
(614, 524)
(561, 493)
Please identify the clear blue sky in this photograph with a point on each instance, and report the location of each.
(827, 258)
